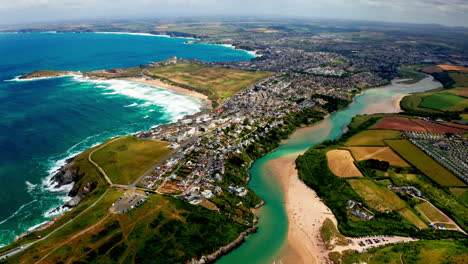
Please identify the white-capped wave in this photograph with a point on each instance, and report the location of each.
(151, 110)
(56, 211)
(132, 33)
(175, 105)
(146, 116)
(130, 105)
(30, 186)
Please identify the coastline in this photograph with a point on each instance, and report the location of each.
(161, 84)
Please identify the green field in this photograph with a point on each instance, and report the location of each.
(424, 163)
(164, 229)
(127, 158)
(378, 197)
(444, 102)
(215, 82)
(413, 218)
(431, 213)
(372, 137)
(421, 252)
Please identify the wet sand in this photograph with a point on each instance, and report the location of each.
(306, 214)
(161, 84)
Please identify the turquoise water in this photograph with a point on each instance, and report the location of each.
(46, 121)
(265, 245)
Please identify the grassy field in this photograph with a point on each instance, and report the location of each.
(162, 228)
(378, 197)
(444, 102)
(372, 137)
(424, 163)
(341, 163)
(437, 101)
(431, 213)
(331, 236)
(216, 82)
(421, 252)
(413, 218)
(127, 158)
(379, 153)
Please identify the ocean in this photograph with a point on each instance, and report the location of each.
(43, 122)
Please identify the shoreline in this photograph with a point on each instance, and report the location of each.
(305, 211)
(160, 84)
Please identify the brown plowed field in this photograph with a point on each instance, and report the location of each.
(379, 153)
(398, 123)
(438, 129)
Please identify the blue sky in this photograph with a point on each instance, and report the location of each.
(447, 12)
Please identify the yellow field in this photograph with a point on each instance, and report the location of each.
(452, 67)
(372, 137)
(424, 163)
(215, 82)
(341, 163)
(431, 213)
(378, 197)
(127, 158)
(413, 218)
(379, 153)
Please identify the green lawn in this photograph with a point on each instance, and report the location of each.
(444, 101)
(215, 82)
(127, 158)
(372, 137)
(424, 163)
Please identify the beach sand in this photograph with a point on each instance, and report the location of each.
(306, 213)
(397, 100)
(161, 84)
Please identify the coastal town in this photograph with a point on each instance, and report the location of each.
(296, 79)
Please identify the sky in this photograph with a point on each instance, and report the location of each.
(446, 12)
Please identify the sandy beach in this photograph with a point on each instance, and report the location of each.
(306, 213)
(397, 100)
(161, 84)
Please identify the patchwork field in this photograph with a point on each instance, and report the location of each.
(437, 128)
(444, 102)
(398, 123)
(372, 137)
(424, 163)
(216, 82)
(413, 218)
(127, 158)
(341, 163)
(431, 213)
(379, 153)
(378, 197)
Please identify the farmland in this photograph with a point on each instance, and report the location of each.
(379, 153)
(216, 82)
(341, 163)
(431, 213)
(413, 218)
(424, 163)
(437, 128)
(127, 158)
(378, 197)
(372, 137)
(444, 102)
(398, 123)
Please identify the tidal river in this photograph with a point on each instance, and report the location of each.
(272, 242)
